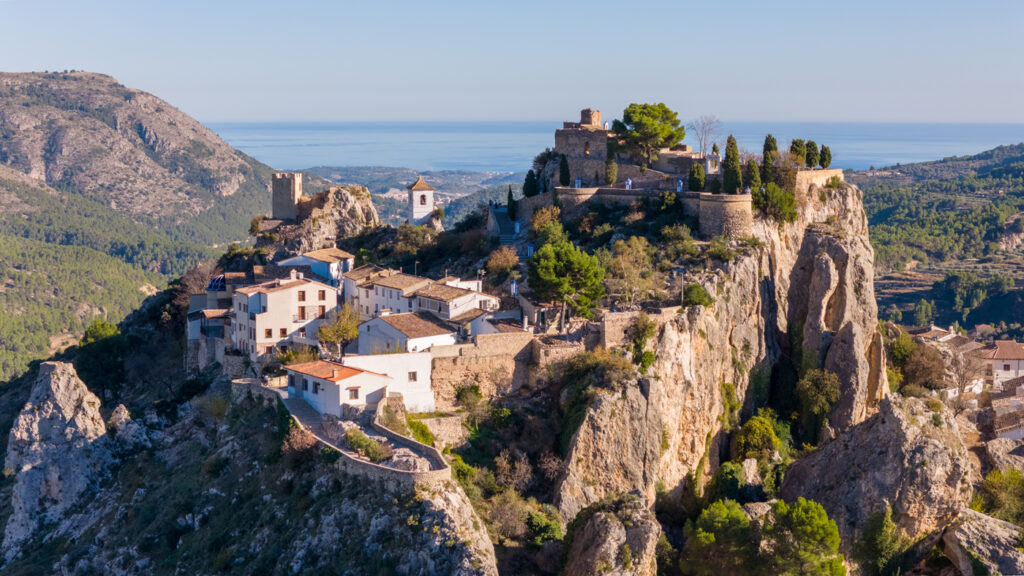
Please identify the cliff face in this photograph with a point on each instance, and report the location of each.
(617, 538)
(334, 214)
(805, 296)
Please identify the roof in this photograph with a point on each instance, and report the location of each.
(365, 272)
(1003, 350)
(506, 325)
(402, 282)
(277, 286)
(416, 325)
(329, 255)
(443, 292)
(270, 272)
(215, 313)
(467, 317)
(419, 184)
(324, 370)
(930, 333)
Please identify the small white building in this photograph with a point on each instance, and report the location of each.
(329, 263)
(280, 314)
(328, 386)
(452, 302)
(358, 286)
(408, 332)
(421, 202)
(409, 373)
(394, 293)
(1004, 361)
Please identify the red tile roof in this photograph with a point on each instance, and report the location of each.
(324, 370)
(419, 184)
(1003, 350)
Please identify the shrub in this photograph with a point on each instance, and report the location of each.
(502, 261)
(818, 392)
(715, 187)
(718, 542)
(329, 455)
(697, 178)
(372, 449)
(696, 295)
(297, 355)
(298, 447)
(834, 182)
(804, 540)
(881, 548)
(776, 203)
(544, 525)
(507, 515)
(719, 250)
(611, 171)
(420, 432)
(756, 437)
(1002, 496)
(935, 405)
(727, 482)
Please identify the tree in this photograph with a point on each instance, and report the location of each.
(530, 186)
(718, 542)
(510, 202)
(714, 148)
(925, 368)
(799, 150)
(697, 176)
(611, 171)
(561, 272)
(341, 328)
(646, 128)
(924, 311)
(818, 391)
(753, 175)
(100, 357)
(826, 157)
(502, 262)
(900, 348)
(704, 128)
(732, 174)
(882, 546)
(804, 540)
(631, 274)
(965, 369)
(811, 155)
(563, 171)
(776, 203)
(771, 149)
(757, 437)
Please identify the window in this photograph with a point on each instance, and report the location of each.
(412, 376)
(322, 295)
(353, 394)
(268, 350)
(302, 295)
(316, 387)
(282, 333)
(1006, 367)
(291, 380)
(423, 199)
(586, 148)
(321, 311)
(268, 333)
(305, 384)
(302, 312)
(302, 332)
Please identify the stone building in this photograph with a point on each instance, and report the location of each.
(287, 192)
(728, 215)
(585, 146)
(421, 202)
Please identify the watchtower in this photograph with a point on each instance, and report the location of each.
(287, 190)
(590, 117)
(421, 201)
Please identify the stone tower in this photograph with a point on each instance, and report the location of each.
(421, 201)
(287, 190)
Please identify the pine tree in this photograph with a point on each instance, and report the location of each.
(697, 178)
(530, 187)
(563, 171)
(826, 157)
(811, 156)
(753, 175)
(771, 149)
(732, 174)
(511, 203)
(799, 149)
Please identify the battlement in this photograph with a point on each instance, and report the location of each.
(286, 191)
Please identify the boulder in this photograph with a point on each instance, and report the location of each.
(1005, 453)
(130, 434)
(618, 538)
(904, 456)
(977, 538)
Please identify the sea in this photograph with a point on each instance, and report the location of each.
(511, 146)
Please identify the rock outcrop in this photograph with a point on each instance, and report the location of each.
(617, 538)
(1004, 453)
(332, 215)
(57, 452)
(904, 456)
(616, 449)
(977, 538)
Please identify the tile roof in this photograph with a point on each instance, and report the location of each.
(467, 317)
(443, 292)
(365, 272)
(277, 286)
(416, 325)
(324, 370)
(215, 312)
(1003, 350)
(329, 255)
(402, 282)
(419, 184)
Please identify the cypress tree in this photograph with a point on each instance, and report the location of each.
(563, 171)
(826, 157)
(511, 203)
(799, 149)
(697, 178)
(732, 173)
(714, 148)
(812, 156)
(554, 197)
(611, 171)
(753, 175)
(530, 186)
(771, 149)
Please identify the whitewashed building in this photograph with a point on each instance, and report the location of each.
(329, 263)
(408, 332)
(1004, 360)
(421, 201)
(409, 373)
(329, 386)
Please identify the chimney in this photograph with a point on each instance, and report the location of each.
(334, 373)
(294, 274)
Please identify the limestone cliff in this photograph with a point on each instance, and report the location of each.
(904, 456)
(803, 295)
(977, 538)
(332, 215)
(618, 537)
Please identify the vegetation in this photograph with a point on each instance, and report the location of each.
(696, 295)
(752, 175)
(818, 392)
(420, 432)
(697, 178)
(642, 330)
(811, 155)
(1002, 496)
(826, 157)
(881, 549)
(630, 272)
(372, 449)
(564, 178)
(732, 173)
(561, 272)
(646, 128)
(611, 171)
(798, 149)
(775, 202)
(530, 185)
(756, 438)
(768, 154)
(340, 329)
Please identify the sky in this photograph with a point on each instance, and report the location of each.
(438, 60)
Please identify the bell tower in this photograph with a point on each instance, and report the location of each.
(421, 201)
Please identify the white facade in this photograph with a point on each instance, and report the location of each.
(328, 392)
(377, 336)
(421, 202)
(409, 373)
(330, 271)
(280, 314)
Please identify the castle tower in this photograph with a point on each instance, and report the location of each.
(287, 190)
(421, 201)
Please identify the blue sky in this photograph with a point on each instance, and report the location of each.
(304, 60)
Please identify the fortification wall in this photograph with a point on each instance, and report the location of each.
(615, 326)
(549, 357)
(691, 204)
(497, 363)
(728, 215)
(286, 190)
(807, 178)
(447, 430)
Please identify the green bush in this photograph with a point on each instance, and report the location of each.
(881, 548)
(719, 250)
(544, 525)
(718, 542)
(756, 437)
(369, 447)
(696, 295)
(420, 432)
(1002, 496)
(329, 455)
(776, 203)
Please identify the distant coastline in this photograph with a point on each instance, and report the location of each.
(511, 146)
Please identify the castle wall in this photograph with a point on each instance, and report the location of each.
(286, 190)
(728, 215)
(691, 204)
(615, 326)
(497, 363)
(807, 178)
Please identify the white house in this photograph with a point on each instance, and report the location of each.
(451, 302)
(278, 314)
(328, 386)
(394, 293)
(1004, 360)
(357, 285)
(409, 373)
(408, 332)
(329, 263)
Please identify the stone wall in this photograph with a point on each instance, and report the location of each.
(726, 215)
(807, 178)
(286, 191)
(497, 363)
(549, 356)
(614, 326)
(448, 431)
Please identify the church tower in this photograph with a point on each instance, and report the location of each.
(421, 201)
